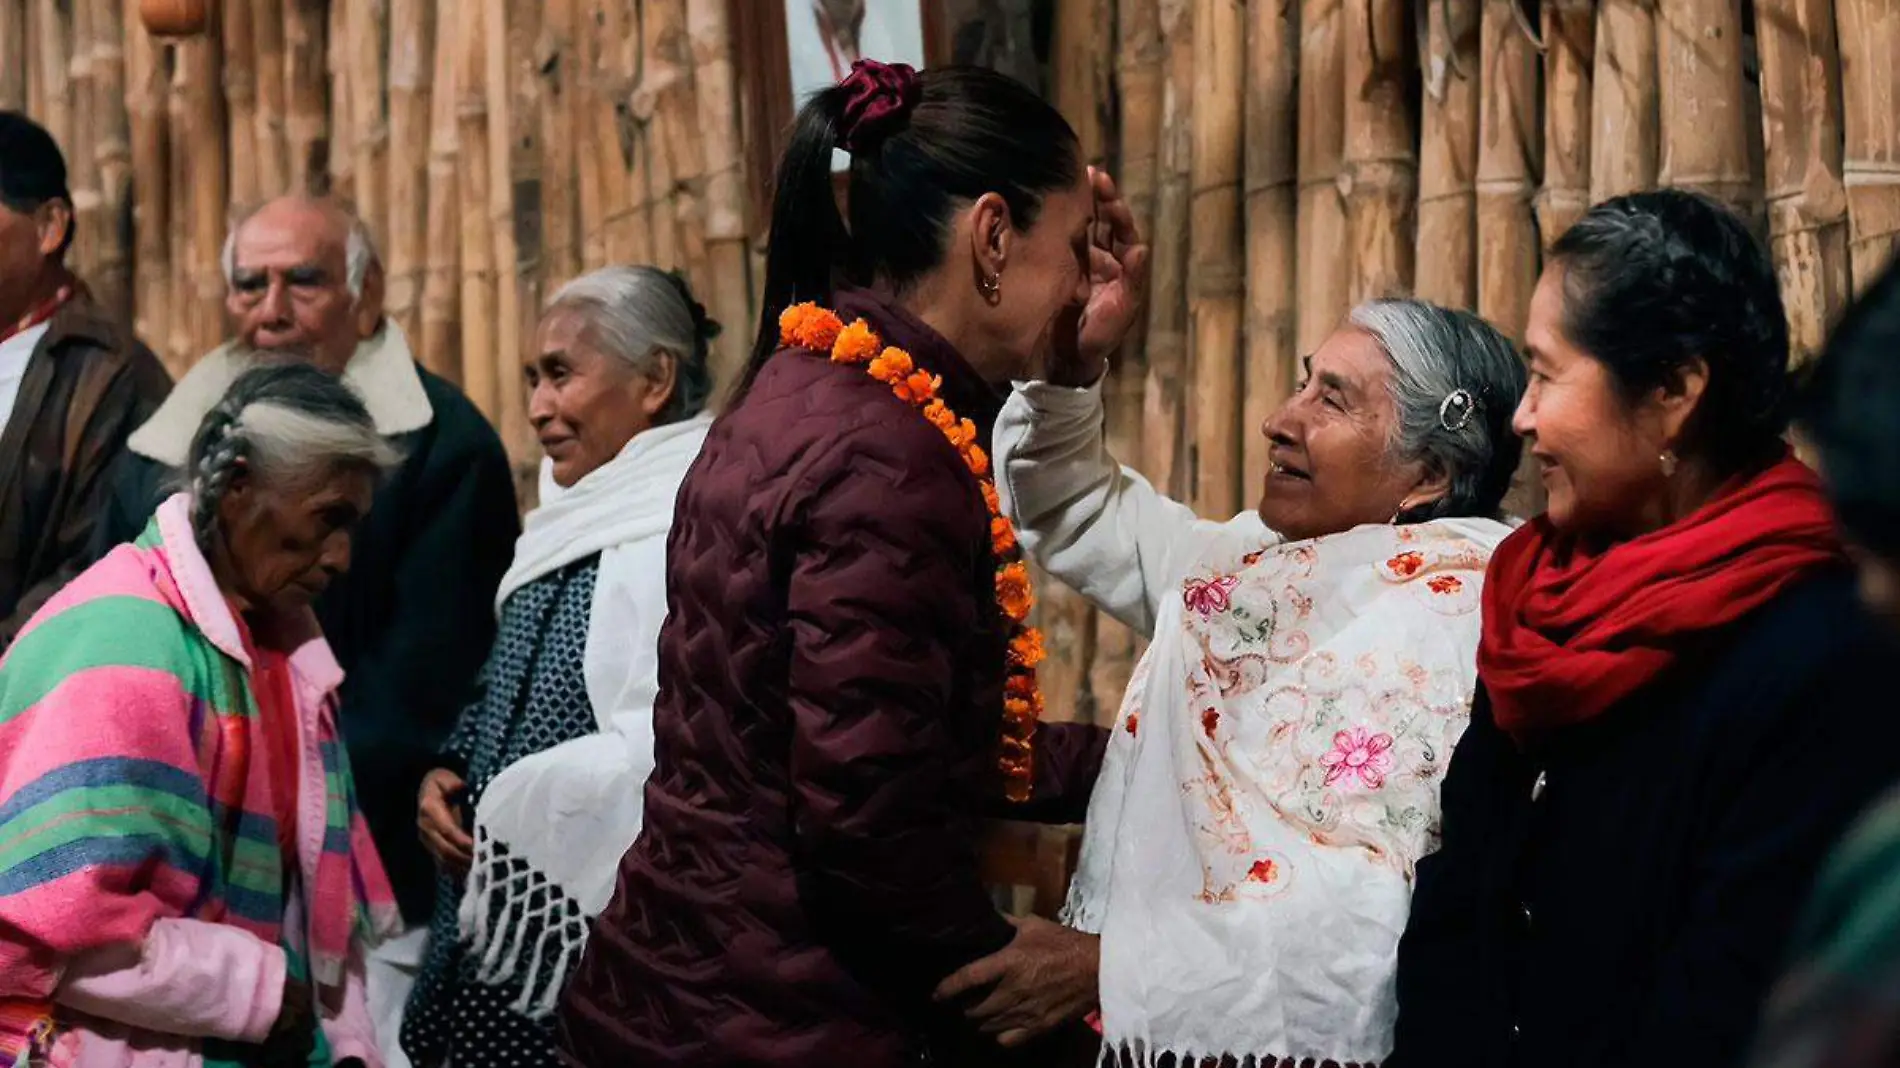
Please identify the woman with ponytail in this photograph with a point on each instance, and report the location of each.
(846, 682)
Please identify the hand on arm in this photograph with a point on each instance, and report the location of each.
(1045, 977)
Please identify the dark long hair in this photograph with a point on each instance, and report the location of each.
(973, 131)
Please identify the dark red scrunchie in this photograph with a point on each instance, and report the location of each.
(878, 99)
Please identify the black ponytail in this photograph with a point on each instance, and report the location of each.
(807, 241)
(971, 131)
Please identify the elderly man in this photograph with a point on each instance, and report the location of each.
(73, 382)
(412, 620)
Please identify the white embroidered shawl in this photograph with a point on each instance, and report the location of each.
(1273, 776)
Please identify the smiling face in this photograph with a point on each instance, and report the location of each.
(584, 403)
(1597, 452)
(1329, 445)
(283, 545)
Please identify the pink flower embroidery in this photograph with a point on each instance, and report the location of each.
(1445, 584)
(1406, 564)
(1263, 871)
(1134, 723)
(1359, 752)
(1208, 596)
(1210, 722)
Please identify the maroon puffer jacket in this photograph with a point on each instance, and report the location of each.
(826, 730)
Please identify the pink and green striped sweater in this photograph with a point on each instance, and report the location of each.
(136, 819)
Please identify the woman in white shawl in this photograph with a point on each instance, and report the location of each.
(552, 758)
(1273, 776)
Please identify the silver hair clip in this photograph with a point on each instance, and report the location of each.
(1456, 410)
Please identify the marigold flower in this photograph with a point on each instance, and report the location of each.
(990, 499)
(855, 344)
(940, 416)
(1013, 591)
(1019, 684)
(918, 387)
(978, 460)
(1017, 709)
(1002, 536)
(891, 366)
(808, 326)
(1026, 650)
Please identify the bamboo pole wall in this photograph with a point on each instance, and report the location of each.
(449, 124)
(1284, 157)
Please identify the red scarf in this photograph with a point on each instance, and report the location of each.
(45, 309)
(1569, 633)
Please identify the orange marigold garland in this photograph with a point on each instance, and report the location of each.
(808, 326)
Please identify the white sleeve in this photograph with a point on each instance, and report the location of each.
(1097, 526)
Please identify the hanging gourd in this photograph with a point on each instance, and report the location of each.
(175, 18)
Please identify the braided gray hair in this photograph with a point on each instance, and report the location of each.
(285, 422)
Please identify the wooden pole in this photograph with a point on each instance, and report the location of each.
(656, 169)
(1324, 278)
(441, 288)
(82, 166)
(13, 66)
(728, 284)
(1139, 66)
(146, 85)
(1625, 109)
(271, 137)
(479, 341)
(368, 111)
(112, 149)
(50, 55)
(1379, 172)
(202, 153)
(1704, 123)
(558, 101)
(240, 94)
(177, 243)
(411, 35)
(342, 126)
(677, 162)
(1163, 400)
(307, 125)
(1870, 91)
(1448, 157)
(1272, 365)
(1080, 44)
(1509, 147)
(601, 173)
(1801, 136)
(508, 38)
(1569, 65)
(1215, 248)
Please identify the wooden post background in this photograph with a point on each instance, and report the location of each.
(1284, 157)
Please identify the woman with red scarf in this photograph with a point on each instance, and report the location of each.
(1679, 703)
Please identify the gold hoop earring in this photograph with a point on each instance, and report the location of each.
(1669, 462)
(991, 286)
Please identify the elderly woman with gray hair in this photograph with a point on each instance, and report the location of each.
(1272, 778)
(551, 759)
(188, 880)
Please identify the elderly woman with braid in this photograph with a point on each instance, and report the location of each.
(1272, 779)
(186, 880)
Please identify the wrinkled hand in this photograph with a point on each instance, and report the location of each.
(1044, 978)
(294, 1036)
(1118, 283)
(439, 819)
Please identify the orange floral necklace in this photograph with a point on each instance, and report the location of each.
(807, 326)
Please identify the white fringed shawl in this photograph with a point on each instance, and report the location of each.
(562, 818)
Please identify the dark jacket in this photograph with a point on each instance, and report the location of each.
(827, 726)
(413, 619)
(88, 384)
(1624, 895)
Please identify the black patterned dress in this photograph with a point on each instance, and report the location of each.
(534, 697)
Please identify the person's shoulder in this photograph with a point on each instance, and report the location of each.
(458, 424)
(806, 403)
(118, 613)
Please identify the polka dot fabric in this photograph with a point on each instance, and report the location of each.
(534, 698)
